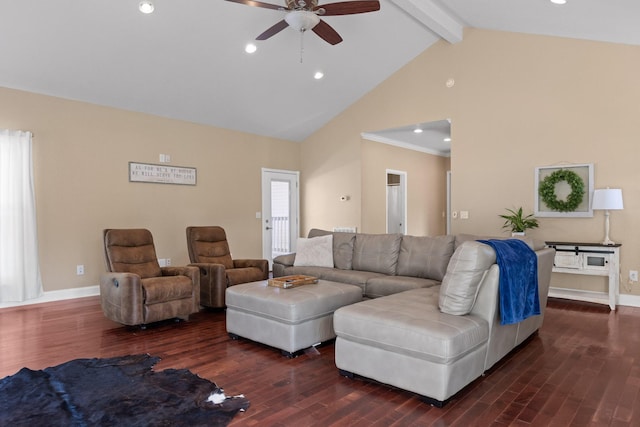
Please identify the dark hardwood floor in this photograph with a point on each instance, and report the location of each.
(581, 369)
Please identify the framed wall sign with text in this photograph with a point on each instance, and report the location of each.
(161, 174)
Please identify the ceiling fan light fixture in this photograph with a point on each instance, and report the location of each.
(302, 20)
(558, 1)
(146, 7)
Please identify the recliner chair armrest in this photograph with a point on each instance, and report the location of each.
(213, 283)
(261, 264)
(122, 298)
(186, 270)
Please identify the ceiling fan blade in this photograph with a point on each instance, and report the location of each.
(275, 29)
(349, 7)
(327, 33)
(258, 4)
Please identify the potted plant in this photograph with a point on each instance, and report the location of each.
(517, 222)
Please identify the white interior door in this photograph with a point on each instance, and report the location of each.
(280, 217)
(396, 202)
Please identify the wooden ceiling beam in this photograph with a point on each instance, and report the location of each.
(434, 17)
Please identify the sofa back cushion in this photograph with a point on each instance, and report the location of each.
(342, 247)
(131, 251)
(377, 253)
(425, 257)
(209, 245)
(468, 266)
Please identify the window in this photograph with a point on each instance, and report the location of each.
(19, 271)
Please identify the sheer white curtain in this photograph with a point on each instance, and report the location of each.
(19, 271)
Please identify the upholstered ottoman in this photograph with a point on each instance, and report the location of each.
(289, 319)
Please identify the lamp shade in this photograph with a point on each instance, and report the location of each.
(607, 199)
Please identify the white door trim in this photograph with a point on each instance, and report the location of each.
(294, 177)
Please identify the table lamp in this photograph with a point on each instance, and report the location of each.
(607, 199)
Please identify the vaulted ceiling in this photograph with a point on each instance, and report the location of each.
(187, 60)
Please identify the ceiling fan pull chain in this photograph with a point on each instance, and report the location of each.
(301, 44)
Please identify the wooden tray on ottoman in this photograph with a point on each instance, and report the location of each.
(296, 280)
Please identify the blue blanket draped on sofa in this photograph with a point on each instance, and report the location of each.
(518, 279)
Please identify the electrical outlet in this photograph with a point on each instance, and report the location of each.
(633, 275)
(464, 214)
(79, 269)
(167, 262)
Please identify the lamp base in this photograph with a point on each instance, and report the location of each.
(607, 241)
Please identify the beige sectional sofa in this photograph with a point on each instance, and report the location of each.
(430, 321)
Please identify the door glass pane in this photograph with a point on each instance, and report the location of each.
(280, 202)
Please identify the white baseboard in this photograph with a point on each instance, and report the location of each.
(60, 295)
(592, 296)
(629, 300)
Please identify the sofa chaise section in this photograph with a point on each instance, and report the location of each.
(408, 341)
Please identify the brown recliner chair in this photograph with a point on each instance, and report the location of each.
(136, 290)
(209, 251)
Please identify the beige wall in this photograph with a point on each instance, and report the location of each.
(519, 101)
(426, 188)
(81, 155)
(332, 158)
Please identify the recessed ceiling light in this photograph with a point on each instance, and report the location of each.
(146, 7)
(447, 139)
(558, 1)
(318, 75)
(250, 48)
(417, 130)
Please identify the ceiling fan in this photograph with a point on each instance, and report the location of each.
(305, 15)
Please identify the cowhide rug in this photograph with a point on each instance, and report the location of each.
(120, 391)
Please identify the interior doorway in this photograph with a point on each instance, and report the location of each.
(396, 202)
(280, 212)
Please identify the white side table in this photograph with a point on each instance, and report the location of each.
(593, 259)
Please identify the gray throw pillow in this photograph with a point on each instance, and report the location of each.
(342, 247)
(314, 252)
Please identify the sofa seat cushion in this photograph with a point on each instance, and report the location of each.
(387, 285)
(166, 288)
(410, 323)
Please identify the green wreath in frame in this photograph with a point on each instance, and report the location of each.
(547, 191)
